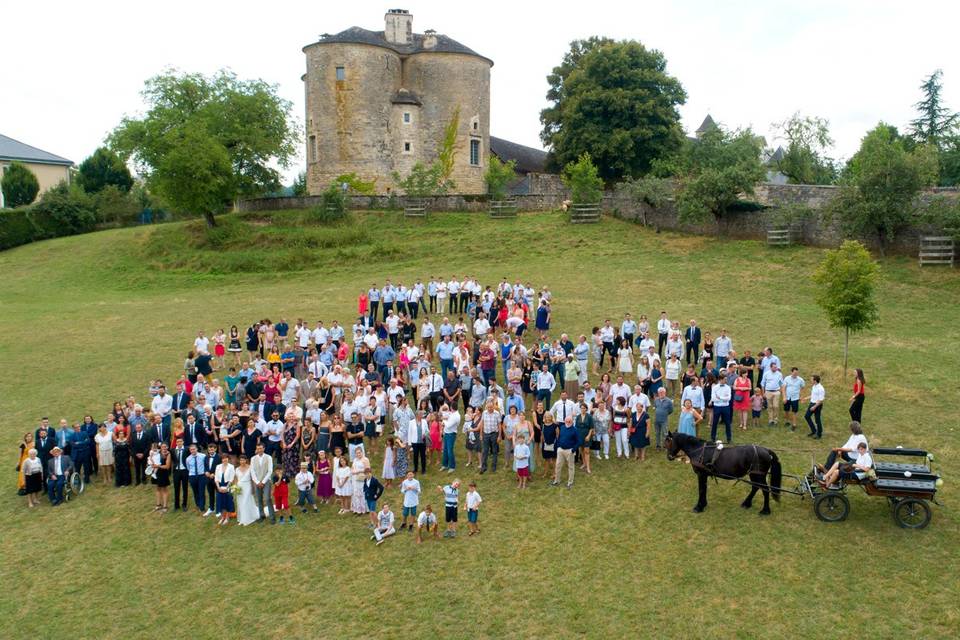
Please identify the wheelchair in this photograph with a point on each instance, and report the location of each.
(73, 487)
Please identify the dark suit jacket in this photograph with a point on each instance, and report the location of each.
(372, 489)
(692, 335)
(210, 464)
(198, 437)
(271, 407)
(140, 445)
(66, 466)
(164, 434)
(176, 462)
(180, 401)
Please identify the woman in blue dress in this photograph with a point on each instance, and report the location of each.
(656, 379)
(543, 317)
(640, 433)
(689, 417)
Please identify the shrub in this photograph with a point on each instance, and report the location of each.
(583, 180)
(103, 169)
(356, 185)
(498, 176)
(116, 207)
(16, 227)
(332, 208)
(67, 209)
(19, 185)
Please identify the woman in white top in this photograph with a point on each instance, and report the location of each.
(104, 453)
(32, 470)
(247, 510)
(441, 298)
(343, 485)
(625, 358)
(643, 373)
(223, 476)
(360, 463)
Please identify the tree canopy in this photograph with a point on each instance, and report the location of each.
(19, 185)
(804, 160)
(615, 101)
(715, 170)
(232, 132)
(934, 121)
(104, 168)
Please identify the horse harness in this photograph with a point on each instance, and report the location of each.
(710, 465)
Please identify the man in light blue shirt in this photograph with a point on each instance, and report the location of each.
(446, 329)
(514, 400)
(628, 329)
(389, 296)
(792, 385)
(445, 353)
(373, 297)
(432, 293)
(771, 383)
(403, 294)
(721, 348)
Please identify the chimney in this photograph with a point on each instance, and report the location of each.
(398, 26)
(429, 39)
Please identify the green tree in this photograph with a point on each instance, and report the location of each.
(881, 183)
(299, 186)
(804, 161)
(68, 208)
(715, 170)
(615, 101)
(104, 168)
(950, 161)
(583, 179)
(934, 121)
(846, 279)
(245, 123)
(498, 176)
(19, 185)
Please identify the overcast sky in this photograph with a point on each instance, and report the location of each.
(72, 70)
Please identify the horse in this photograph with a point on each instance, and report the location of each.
(729, 463)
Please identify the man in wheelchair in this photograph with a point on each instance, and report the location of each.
(59, 469)
(857, 470)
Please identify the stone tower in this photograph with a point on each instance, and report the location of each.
(379, 101)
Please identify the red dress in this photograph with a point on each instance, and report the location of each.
(741, 386)
(436, 442)
(362, 304)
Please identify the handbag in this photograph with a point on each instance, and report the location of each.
(548, 447)
(738, 397)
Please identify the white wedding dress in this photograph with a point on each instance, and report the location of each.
(247, 511)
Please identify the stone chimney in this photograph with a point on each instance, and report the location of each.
(399, 26)
(429, 39)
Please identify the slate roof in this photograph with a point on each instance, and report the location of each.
(359, 35)
(11, 149)
(405, 96)
(706, 125)
(529, 159)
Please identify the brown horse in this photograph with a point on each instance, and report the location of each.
(730, 463)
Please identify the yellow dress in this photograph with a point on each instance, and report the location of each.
(21, 481)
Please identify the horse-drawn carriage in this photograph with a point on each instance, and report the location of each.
(909, 487)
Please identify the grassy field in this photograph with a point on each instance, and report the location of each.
(89, 319)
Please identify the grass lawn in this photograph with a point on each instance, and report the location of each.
(89, 319)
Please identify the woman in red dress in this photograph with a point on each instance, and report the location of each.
(741, 396)
(363, 303)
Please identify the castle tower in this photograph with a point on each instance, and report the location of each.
(377, 102)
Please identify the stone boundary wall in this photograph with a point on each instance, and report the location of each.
(548, 194)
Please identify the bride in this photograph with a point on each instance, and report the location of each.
(247, 511)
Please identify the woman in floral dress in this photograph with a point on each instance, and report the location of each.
(291, 449)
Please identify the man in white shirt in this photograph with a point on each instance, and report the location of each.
(694, 393)
(453, 290)
(272, 431)
(563, 407)
(427, 333)
(316, 367)
(860, 468)
(663, 331)
(261, 475)
(720, 396)
(607, 339)
(645, 343)
(481, 326)
(290, 388)
(619, 390)
(319, 335)
(817, 396)
(303, 335)
(201, 344)
(722, 347)
(162, 405)
(451, 424)
(637, 399)
(546, 383)
(384, 527)
(436, 388)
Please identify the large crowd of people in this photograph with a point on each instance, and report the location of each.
(427, 374)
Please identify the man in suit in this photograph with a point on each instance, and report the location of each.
(194, 433)
(692, 338)
(139, 450)
(59, 468)
(276, 406)
(261, 474)
(180, 401)
(196, 477)
(159, 433)
(372, 490)
(181, 477)
(210, 463)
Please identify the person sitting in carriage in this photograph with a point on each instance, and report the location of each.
(858, 470)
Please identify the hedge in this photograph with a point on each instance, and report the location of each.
(19, 226)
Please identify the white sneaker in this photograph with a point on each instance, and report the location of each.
(607, 456)
(207, 512)
(443, 468)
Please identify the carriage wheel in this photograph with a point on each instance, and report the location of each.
(831, 506)
(912, 513)
(76, 483)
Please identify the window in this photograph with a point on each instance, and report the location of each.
(341, 73)
(313, 149)
(475, 153)
(476, 125)
(406, 147)
(406, 117)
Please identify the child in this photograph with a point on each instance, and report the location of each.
(372, 490)
(473, 509)
(281, 494)
(384, 524)
(304, 482)
(388, 458)
(521, 453)
(410, 488)
(756, 407)
(451, 500)
(427, 520)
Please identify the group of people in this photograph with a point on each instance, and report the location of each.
(314, 406)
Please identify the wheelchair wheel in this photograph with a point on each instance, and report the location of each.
(76, 483)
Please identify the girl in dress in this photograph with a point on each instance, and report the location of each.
(388, 457)
(234, 347)
(219, 348)
(625, 359)
(324, 473)
(549, 445)
(471, 428)
(343, 482)
(436, 440)
(358, 468)
(104, 453)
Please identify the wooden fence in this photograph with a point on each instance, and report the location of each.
(936, 250)
(584, 213)
(415, 208)
(503, 208)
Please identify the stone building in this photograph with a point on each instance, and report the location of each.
(378, 102)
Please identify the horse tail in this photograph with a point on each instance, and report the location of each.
(776, 475)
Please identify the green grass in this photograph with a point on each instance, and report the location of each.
(87, 320)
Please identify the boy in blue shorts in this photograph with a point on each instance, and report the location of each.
(473, 509)
(410, 488)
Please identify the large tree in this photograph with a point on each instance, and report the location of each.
(881, 183)
(102, 169)
(233, 132)
(616, 102)
(19, 185)
(715, 170)
(805, 161)
(934, 121)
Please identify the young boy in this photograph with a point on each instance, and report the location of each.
(281, 495)
(384, 525)
(410, 488)
(757, 402)
(304, 482)
(427, 520)
(372, 490)
(521, 453)
(451, 500)
(473, 509)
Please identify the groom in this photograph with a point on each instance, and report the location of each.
(261, 474)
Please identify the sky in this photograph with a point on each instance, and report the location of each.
(71, 71)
